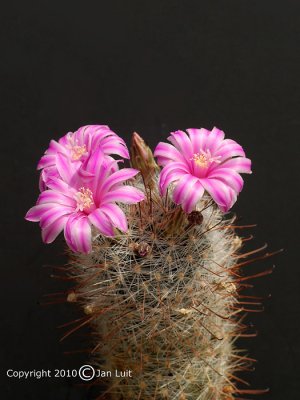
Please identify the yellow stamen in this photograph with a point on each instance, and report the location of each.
(200, 159)
(204, 158)
(84, 198)
(77, 151)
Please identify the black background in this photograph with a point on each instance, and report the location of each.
(153, 67)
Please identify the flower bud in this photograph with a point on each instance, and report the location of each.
(142, 159)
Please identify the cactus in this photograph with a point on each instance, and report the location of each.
(163, 295)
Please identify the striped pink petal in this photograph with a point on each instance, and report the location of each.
(190, 202)
(112, 146)
(116, 216)
(238, 164)
(53, 214)
(52, 196)
(184, 188)
(214, 140)
(228, 149)
(183, 143)
(173, 165)
(198, 138)
(94, 162)
(108, 140)
(64, 140)
(65, 168)
(50, 233)
(35, 213)
(46, 161)
(68, 232)
(100, 220)
(118, 177)
(124, 194)
(55, 147)
(165, 151)
(80, 229)
(46, 174)
(229, 177)
(59, 185)
(172, 176)
(219, 192)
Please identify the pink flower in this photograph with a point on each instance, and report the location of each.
(77, 202)
(77, 147)
(202, 160)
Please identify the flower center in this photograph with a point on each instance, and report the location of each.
(203, 159)
(84, 198)
(200, 159)
(76, 150)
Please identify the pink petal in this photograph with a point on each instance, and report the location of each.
(55, 147)
(238, 164)
(162, 161)
(86, 239)
(183, 143)
(50, 233)
(101, 222)
(64, 140)
(65, 168)
(101, 167)
(118, 177)
(190, 201)
(172, 177)
(68, 232)
(108, 140)
(165, 151)
(228, 149)
(94, 163)
(59, 185)
(53, 214)
(52, 196)
(46, 174)
(46, 161)
(173, 166)
(233, 196)
(113, 146)
(170, 173)
(116, 216)
(42, 184)
(34, 213)
(96, 132)
(198, 138)
(214, 140)
(221, 193)
(184, 188)
(229, 177)
(124, 194)
(81, 234)
(81, 136)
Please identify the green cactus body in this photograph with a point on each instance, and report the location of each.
(162, 300)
